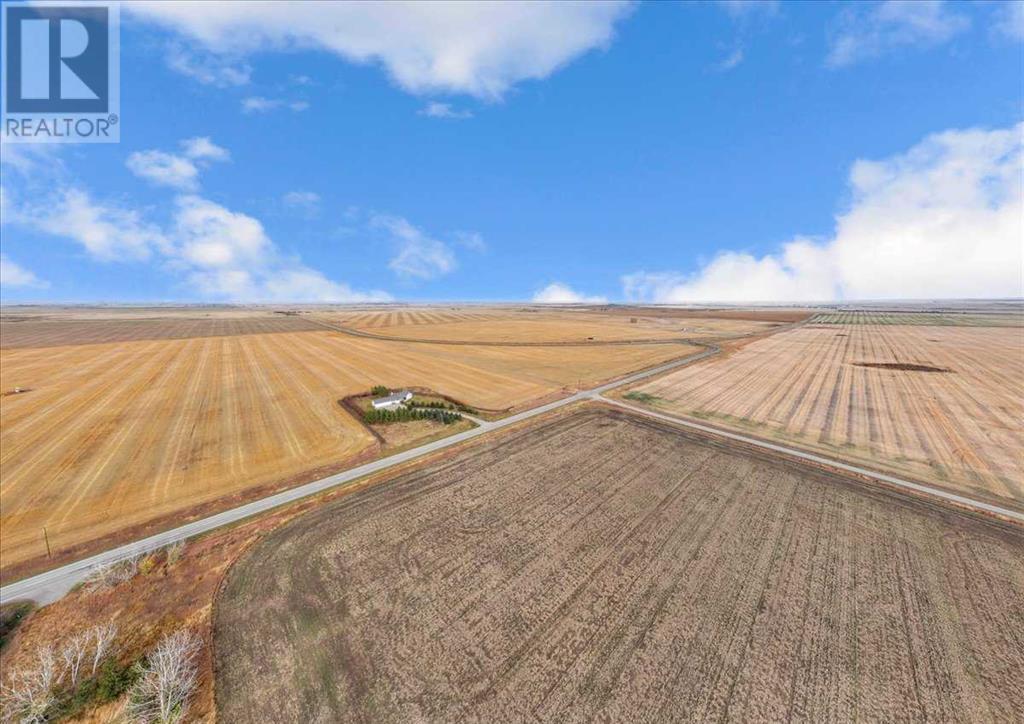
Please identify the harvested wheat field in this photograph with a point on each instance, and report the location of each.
(607, 567)
(109, 436)
(939, 403)
(544, 325)
(59, 332)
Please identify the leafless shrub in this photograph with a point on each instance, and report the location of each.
(29, 695)
(102, 637)
(174, 551)
(167, 680)
(73, 653)
(108, 575)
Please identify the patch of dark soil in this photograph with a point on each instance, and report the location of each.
(902, 366)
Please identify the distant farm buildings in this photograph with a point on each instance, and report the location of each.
(392, 400)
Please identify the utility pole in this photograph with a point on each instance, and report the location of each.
(46, 539)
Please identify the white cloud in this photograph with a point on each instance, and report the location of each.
(201, 148)
(259, 104)
(209, 235)
(480, 48)
(305, 202)
(419, 255)
(730, 61)
(177, 172)
(868, 32)
(471, 240)
(164, 169)
(1009, 19)
(944, 220)
(745, 8)
(207, 68)
(228, 255)
(435, 109)
(221, 253)
(558, 293)
(15, 275)
(106, 232)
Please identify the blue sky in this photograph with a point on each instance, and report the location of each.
(661, 152)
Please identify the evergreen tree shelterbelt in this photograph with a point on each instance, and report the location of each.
(387, 416)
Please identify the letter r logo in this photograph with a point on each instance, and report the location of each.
(57, 59)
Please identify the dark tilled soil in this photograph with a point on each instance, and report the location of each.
(902, 366)
(603, 567)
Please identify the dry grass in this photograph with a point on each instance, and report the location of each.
(951, 415)
(113, 435)
(603, 567)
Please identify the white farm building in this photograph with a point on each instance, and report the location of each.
(392, 400)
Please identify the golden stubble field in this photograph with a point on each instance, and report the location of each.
(533, 324)
(113, 435)
(958, 425)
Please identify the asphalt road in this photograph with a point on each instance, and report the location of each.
(51, 585)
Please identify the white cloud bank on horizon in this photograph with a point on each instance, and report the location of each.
(558, 293)
(943, 220)
(481, 49)
(13, 274)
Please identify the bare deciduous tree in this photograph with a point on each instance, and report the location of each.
(72, 653)
(167, 681)
(29, 695)
(174, 551)
(102, 637)
(108, 575)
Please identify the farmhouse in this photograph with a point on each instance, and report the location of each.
(392, 400)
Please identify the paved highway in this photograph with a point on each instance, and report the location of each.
(51, 585)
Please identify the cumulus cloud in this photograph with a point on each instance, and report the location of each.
(306, 203)
(172, 170)
(15, 275)
(223, 254)
(435, 109)
(558, 293)
(740, 9)
(259, 104)
(220, 71)
(228, 255)
(1009, 19)
(866, 32)
(106, 231)
(481, 49)
(201, 148)
(730, 61)
(418, 255)
(943, 220)
(164, 169)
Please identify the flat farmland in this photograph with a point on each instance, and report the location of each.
(59, 332)
(938, 403)
(606, 567)
(111, 436)
(544, 325)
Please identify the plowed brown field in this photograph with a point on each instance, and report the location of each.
(827, 388)
(113, 435)
(483, 324)
(606, 568)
